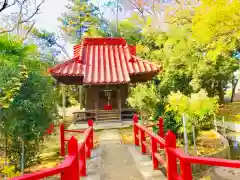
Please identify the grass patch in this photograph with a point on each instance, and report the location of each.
(231, 112)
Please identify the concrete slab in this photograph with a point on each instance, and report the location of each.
(144, 165)
(94, 165)
(117, 162)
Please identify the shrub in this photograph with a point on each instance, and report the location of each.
(10, 171)
(145, 97)
(198, 107)
(32, 111)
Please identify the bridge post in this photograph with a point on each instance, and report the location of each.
(82, 160)
(72, 172)
(90, 124)
(143, 141)
(154, 150)
(186, 169)
(161, 130)
(170, 142)
(62, 139)
(88, 146)
(135, 129)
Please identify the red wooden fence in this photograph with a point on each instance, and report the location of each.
(172, 152)
(74, 164)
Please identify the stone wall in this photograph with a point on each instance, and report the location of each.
(223, 154)
(229, 125)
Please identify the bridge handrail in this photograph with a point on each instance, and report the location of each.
(74, 164)
(173, 153)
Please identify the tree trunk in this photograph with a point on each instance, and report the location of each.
(22, 157)
(234, 85)
(220, 92)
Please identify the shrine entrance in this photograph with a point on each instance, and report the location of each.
(108, 97)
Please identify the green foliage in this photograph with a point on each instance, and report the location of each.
(33, 110)
(187, 67)
(71, 95)
(10, 171)
(198, 107)
(49, 45)
(11, 83)
(10, 46)
(145, 98)
(217, 23)
(170, 122)
(26, 99)
(81, 19)
(128, 30)
(195, 48)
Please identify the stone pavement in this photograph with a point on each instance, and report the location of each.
(102, 126)
(113, 160)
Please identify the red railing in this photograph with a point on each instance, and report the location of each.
(172, 152)
(74, 164)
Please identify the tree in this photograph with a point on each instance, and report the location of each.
(34, 110)
(50, 45)
(21, 19)
(26, 98)
(128, 30)
(5, 4)
(216, 24)
(186, 61)
(81, 19)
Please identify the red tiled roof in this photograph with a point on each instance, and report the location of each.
(69, 68)
(104, 61)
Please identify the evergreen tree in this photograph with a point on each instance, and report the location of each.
(82, 19)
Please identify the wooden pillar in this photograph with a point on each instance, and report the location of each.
(96, 101)
(63, 102)
(86, 97)
(119, 104)
(80, 96)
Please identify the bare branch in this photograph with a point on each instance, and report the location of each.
(62, 47)
(20, 15)
(29, 30)
(4, 6)
(140, 10)
(151, 7)
(33, 14)
(21, 19)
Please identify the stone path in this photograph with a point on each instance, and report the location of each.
(102, 126)
(116, 161)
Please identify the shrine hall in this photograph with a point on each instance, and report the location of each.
(104, 69)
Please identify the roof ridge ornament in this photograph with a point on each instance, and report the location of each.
(104, 41)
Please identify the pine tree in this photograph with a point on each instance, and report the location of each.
(82, 19)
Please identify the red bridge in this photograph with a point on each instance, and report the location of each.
(74, 165)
